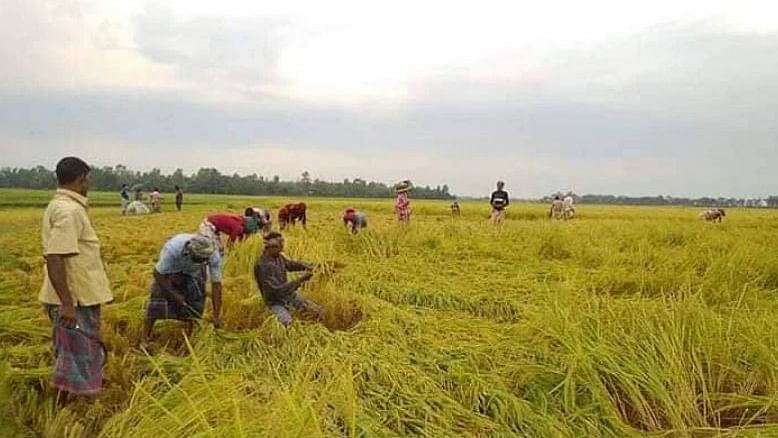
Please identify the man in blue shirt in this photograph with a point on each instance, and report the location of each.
(178, 290)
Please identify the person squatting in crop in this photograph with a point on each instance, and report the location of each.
(354, 220)
(289, 214)
(230, 227)
(178, 290)
(499, 202)
(74, 284)
(279, 293)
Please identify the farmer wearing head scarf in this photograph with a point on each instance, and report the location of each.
(75, 285)
(178, 290)
(354, 219)
(277, 291)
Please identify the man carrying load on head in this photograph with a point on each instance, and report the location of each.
(402, 202)
(354, 219)
(277, 291)
(178, 290)
(499, 202)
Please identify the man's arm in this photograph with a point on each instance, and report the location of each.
(296, 266)
(167, 288)
(507, 199)
(267, 276)
(55, 265)
(217, 303)
(303, 219)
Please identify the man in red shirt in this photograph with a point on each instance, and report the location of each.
(290, 213)
(229, 226)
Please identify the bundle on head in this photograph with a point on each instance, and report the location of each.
(404, 186)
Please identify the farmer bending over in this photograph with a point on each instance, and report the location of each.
(229, 226)
(277, 291)
(264, 219)
(291, 213)
(178, 290)
(354, 220)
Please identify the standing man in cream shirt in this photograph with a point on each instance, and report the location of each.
(74, 285)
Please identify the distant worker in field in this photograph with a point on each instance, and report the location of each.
(124, 195)
(713, 215)
(75, 285)
(179, 198)
(156, 201)
(289, 214)
(557, 208)
(264, 219)
(277, 291)
(499, 202)
(178, 290)
(138, 189)
(402, 203)
(354, 220)
(568, 207)
(221, 227)
(455, 212)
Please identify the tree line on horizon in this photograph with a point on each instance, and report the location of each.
(212, 181)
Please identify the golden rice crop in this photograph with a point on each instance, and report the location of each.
(626, 321)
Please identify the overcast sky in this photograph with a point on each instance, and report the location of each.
(662, 97)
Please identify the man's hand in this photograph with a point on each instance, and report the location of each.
(217, 323)
(67, 316)
(306, 276)
(179, 299)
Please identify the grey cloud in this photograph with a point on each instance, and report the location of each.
(226, 50)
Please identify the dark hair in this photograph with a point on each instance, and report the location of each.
(156, 189)
(249, 212)
(273, 235)
(177, 187)
(69, 169)
(124, 185)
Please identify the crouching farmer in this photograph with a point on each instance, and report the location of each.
(354, 220)
(178, 290)
(278, 292)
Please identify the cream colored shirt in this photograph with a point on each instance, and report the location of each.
(67, 230)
